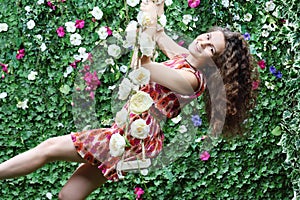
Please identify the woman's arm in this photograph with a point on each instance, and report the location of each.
(180, 81)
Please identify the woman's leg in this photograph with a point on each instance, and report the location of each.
(84, 181)
(53, 149)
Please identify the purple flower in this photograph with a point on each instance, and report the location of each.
(272, 69)
(275, 72)
(246, 36)
(196, 120)
(278, 74)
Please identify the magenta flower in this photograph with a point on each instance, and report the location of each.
(193, 3)
(51, 5)
(255, 85)
(138, 191)
(91, 81)
(108, 30)
(204, 156)
(181, 42)
(60, 31)
(4, 67)
(262, 64)
(79, 23)
(74, 64)
(20, 54)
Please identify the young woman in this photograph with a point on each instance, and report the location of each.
(181, 75)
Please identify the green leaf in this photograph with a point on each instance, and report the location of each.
(276, 131)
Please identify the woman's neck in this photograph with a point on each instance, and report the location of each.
(200, 62)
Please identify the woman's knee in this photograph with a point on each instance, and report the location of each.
(47, 149)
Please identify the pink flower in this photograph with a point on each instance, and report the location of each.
(51, 5)
(181, 42)
(193, 3)
(4, 68)
(255, 85)
(262, 64)
(92, 95)
(108, 30)
(74, 64)
(138, 191)
(60, 31)
(79, 23)
(204, 156)
(20, 54)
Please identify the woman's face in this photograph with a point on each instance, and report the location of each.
(208, 44)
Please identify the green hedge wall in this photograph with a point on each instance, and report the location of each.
(262, 165)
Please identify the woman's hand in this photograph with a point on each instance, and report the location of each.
(160, 8)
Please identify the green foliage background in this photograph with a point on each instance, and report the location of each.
(263, 165)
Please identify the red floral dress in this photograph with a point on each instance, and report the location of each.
(93, 145)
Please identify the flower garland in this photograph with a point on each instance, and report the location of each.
(138, 101)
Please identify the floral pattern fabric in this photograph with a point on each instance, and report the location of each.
(93, 145)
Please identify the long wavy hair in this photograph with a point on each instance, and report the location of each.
(236, 73)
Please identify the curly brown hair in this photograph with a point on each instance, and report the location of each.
(233, 88)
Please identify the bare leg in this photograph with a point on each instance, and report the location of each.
(84, 181)
(53, 149)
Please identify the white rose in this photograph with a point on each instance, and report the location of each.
(22, 104)
(225, 3)
(133, 3)
(168, 2)
(97, 13)
(147, 45)
(27, 8)
(3, 95)
(117, 145)
(270, 6)
(3, 27)
(32, 75)
(187, 19)
(82, 54)
(163, 20)
(75, 39)
(140, 76)
(109, 61)
(40, 2)
(39, 37)
(121, 117)
(123, 69)
(248, 17)
(49, 195)
(139, 129)
(176, 119)
(114, 51)
(140, 102)
(102, 32)
(70, 26)
(124, 89)
(30, 24)
(69, 71)
(43, 47)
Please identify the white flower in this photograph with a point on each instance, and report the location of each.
(82, 54)
(22, 104)
(236, 17)
(75, 39)
(248, 17)
(3, 95)
(187, 19)
(39, 37)
(60, 125)
(112, 87)
(70, 26)
(40, 2)
(140, 76)
(182, 129)
(168, 2)
(117, 35)
(109, 61)
(176, 119)
(133, 3)
(27, 8)
(270, 6)
(163, 20)
(43, 47)
(265, 33)
(147, 45)
(140, 102)
(117, 145)
(97, 13)
(49, 195)
(131, 33)
(32, 75)
(269, 85)
(225, 3)
(102, 32)
(114, 51)
(139, 129)
(30, 24)
(123, 69)
(69, 71)
(124, 89)
(121, 117)
(3, 27)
